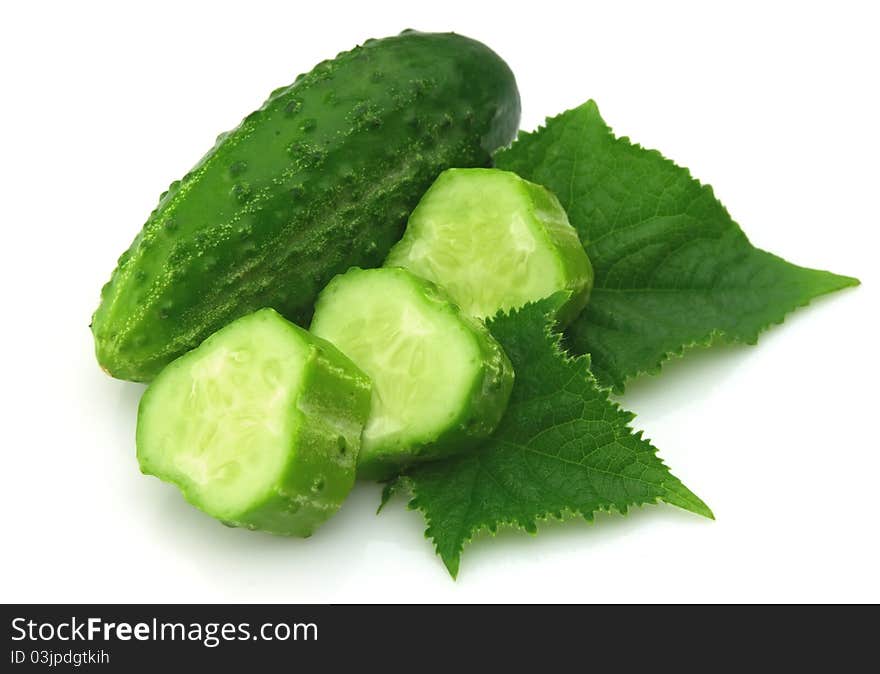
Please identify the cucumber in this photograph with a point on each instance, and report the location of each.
(495, 242)
(322, 177)
(259, 426)
(440, 380)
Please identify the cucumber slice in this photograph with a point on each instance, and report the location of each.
(440, 380)
(259, 426)
(495, 242)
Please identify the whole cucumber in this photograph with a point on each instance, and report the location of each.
(319, 179)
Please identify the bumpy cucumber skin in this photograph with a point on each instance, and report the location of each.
(333, 407)
(486, 399)
(321, 178)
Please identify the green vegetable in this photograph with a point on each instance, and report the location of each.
(321, 178)
(259, 426)
(440, 381)
(563, 448)
(495, 242)
(673, 270)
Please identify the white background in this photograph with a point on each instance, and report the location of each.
(775, 105)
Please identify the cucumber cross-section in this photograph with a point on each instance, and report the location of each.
(495, 242)
(259, 426)
(440, 380)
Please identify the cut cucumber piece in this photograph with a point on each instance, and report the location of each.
(440, 380)
(494, 241)
(259, 426)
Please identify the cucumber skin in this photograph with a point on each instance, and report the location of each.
(321, 471)
(323, 467)
(322, 177)
(575, 261)
(486, 400)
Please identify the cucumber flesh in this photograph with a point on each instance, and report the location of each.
(259, 426)
(440, 380)
(495, 242)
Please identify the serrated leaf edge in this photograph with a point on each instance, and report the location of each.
(715, 336)
(453, 564)
(531, 527)
(720, 337)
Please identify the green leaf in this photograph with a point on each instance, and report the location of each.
(563, 448)
(673, 270)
